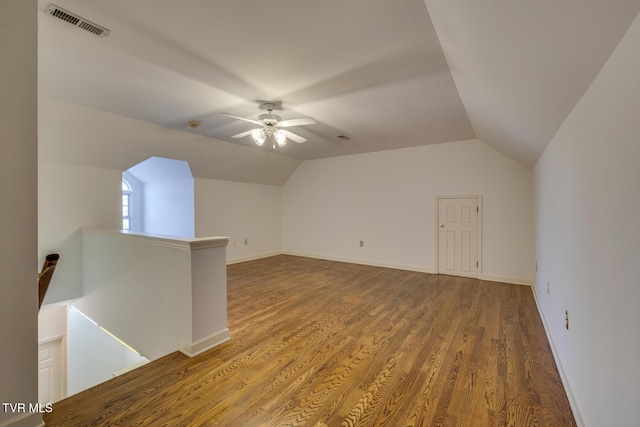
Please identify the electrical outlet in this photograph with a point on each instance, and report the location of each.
(566, 314)
(361, 243)
(246, 241)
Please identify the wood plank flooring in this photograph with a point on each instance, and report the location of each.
(323, 343)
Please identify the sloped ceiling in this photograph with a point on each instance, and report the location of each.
(521, 66)
(388, 74)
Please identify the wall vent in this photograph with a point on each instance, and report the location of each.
(76, 20)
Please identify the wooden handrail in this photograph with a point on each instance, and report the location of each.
(44, 277)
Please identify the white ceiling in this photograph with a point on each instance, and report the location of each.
(379, 71)
(159, 169)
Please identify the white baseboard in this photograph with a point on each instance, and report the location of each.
(253, 257)
(32, 419)
(421, 269)
(506, 279)
(577, 415)
(213, 340)
(364, 262)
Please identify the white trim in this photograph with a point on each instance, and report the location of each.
(127, 193)
(417, 268)
(63, 355)
(506, 279)
(253, 257)
(195, 348)
(58, 303)
(50, 339)
(175, 242)
(478, 197)
(488, 277)
(208, 242)
(32, 419)
(575, 408)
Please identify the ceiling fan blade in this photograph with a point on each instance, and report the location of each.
(243, 134)
(297, 138)
(302, 121)
(242, 118)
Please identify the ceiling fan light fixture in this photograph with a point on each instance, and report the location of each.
(281, 137)
(258, 136)
(270, 125)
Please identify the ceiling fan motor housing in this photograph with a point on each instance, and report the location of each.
(270, 125)
(271, 105)
(269, 119)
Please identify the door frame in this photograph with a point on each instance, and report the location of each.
(62, 339)
(478, 197)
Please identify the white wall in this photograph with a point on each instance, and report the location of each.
(208, 299)
(162, 197)
(120, 272)
(18, 208)
(71, 197)
(587, 204)
(240, 211)
(157, 294)
(52, 322)
(94, 355)
(169, 207)
(387, 199)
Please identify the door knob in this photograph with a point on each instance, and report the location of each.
(441, 225)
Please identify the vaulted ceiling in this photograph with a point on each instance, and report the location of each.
(387, 74)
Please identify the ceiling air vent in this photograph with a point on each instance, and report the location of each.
(76, 20)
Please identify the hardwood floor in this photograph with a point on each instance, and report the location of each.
(322, 343)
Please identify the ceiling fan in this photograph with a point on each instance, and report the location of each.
(270, 126)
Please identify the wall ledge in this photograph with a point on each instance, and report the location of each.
(176, 242)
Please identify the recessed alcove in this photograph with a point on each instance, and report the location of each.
(162, 197)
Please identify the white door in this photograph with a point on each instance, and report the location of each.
(51, 371)
(458, 236)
